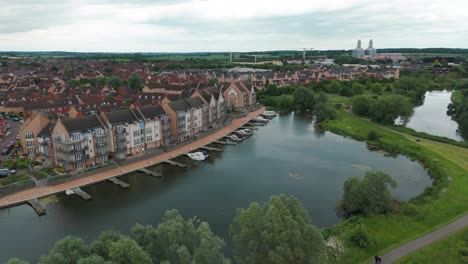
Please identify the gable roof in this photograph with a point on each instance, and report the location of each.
(152, 111)
(123, 116)
(82, 124)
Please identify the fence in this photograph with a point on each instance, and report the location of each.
(16, 187)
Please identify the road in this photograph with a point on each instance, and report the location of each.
(423, 241)
(13, 131)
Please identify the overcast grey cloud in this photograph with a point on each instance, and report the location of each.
(228, 25)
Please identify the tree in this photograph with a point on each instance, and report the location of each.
(94, 259)
(377, 88)
(361, 105)
(386, 109)
(114, 82)
(368, 195)
(135, 82)
(127, 251)
(16, 261)
(373, 135)
(359, 236)
(321, 97)
(334, 87)
(303, 99)
(179, 240)
(213, 81)
(279, 232)
(357, 88)
(66, 251)
(324, 112)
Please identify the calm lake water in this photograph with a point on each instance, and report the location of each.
(287, 156)
(432, 118)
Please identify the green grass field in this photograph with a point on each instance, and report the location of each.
(448, 250)
(449, 202)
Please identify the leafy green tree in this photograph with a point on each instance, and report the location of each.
(115, 82)
(279, 232)
(94, 259)
(285, 101)
(101, 81)
(135, 82)
(361, 105)
(321, 97)
(213, 81)
(303, 99)
(334, 87)
(16, 261)
(179, 240)
(359, 236)
(127, 251)
(377, 88)
(324, 112)
(66, 251)
(373, 135)
(103, 244)
(357, 88)
(368, 195)
(386, 109)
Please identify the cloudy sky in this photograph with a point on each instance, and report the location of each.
(229, 25)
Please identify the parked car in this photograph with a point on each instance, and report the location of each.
(16, 119)
(6, 150)
(6, 172)
(17, 137)
(21, 121)
(8, 126)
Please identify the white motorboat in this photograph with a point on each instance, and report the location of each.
(198, 156)
(269, 114)
(234, 138)
(69, 192)
(242, 133)
(260, 119)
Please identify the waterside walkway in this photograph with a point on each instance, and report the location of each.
(37, 192)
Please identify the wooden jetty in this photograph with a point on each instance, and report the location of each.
(119, 182)
(212, 149)
(250, 127)
(149, 172)
(78, 191)
(34, 203)
(174, 163)
(226, 142)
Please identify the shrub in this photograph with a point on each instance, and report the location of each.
(373, 135)
(360, 237)
(410, 210)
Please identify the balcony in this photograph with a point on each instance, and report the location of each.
(71, 149)
(102, 143)
(119, 149)
(120, 139)
(69, 141)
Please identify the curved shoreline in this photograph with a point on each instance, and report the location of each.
(38, 192)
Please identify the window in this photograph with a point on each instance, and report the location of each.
(31, 152)
(149, 130)
(77, 146)
(136, 133)
(76, 136)
(29, 135)
(149, 138)
(78, 156)
(30, 143)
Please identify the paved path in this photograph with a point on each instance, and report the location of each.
(34, 193)
(423, 241)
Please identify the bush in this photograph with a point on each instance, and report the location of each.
(410, 210)
(360, 237)
(373, 135)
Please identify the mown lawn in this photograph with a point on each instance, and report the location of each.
(448, 201)
(447, 250)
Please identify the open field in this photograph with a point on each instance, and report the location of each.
(447, 201)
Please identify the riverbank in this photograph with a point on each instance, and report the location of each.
(34, 193)
(439, 205)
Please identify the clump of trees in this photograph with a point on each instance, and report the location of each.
(369, 195)
(278, 232)
(135, 83)
(459, 111)
(112, 81)
(385, 109)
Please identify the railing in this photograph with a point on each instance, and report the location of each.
(16, 187)
(70, 141)
(69, 150)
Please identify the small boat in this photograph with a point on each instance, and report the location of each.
(269, 114)
(69, 192)
(234, 138)
(198, 156)
(248, 131)
(242, 133)
(260, 119)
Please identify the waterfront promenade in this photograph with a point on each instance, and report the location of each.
(37, 192)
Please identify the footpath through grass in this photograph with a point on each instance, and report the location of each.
(453, 249)
(446, 201)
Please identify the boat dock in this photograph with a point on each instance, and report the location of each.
(226, 142)
(78, 191)
(149, 172)
(40, 210)
(119, 182)
(212, 149)
(174, 163)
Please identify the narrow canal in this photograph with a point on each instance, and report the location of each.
(287, 156)
(432, 118)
